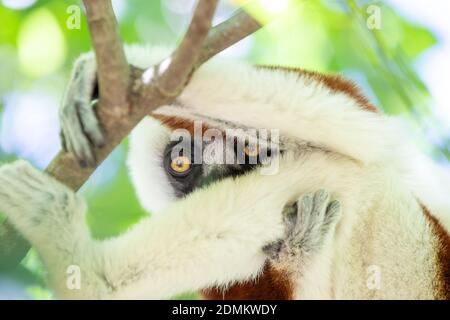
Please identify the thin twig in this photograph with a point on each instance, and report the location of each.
(183, 61)
(227, 33)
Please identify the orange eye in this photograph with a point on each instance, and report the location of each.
(180, 164)
(252, 151)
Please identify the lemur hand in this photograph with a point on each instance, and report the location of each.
(309, 223)
(41, 208)
(80, 129)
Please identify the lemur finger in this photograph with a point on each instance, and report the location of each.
(290, 217)
(78, 144)
(66, 141)
(62, 139)
(303, 216)
(71, 128)
(272, 250)
(332, 215)
(321, 199)
(320, 203)
(90, 123)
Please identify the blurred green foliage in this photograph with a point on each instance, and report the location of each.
(37, 47)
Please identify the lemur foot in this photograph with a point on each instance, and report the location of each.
(309, 222)
(80, 129)
(37, 205)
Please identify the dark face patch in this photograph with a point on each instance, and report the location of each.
(202, 173)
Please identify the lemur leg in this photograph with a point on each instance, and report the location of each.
(80, 129)
(188, 247)
(310, 225)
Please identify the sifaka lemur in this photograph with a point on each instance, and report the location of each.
(229, 228)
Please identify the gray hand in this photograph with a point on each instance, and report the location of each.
(308, 222)
(80, 129)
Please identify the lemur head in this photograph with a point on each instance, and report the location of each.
(279, 111)
(171, 157)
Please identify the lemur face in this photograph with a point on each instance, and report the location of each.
(195, 163)
(170, 159)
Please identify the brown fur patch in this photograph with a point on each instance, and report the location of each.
(270, 285)
(443, 252)
(174, 123)
(333, 82)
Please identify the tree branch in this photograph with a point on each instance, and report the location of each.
(182, 63)
(130, 93)
(227, 33)
(112, 68)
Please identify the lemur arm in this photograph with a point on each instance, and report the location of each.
(191, 246)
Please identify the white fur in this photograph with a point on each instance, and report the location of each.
(215, 235)
(191, 246)
(298, 106)
(146, 169)
(306, 109)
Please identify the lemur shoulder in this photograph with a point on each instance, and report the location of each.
(228, 229)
